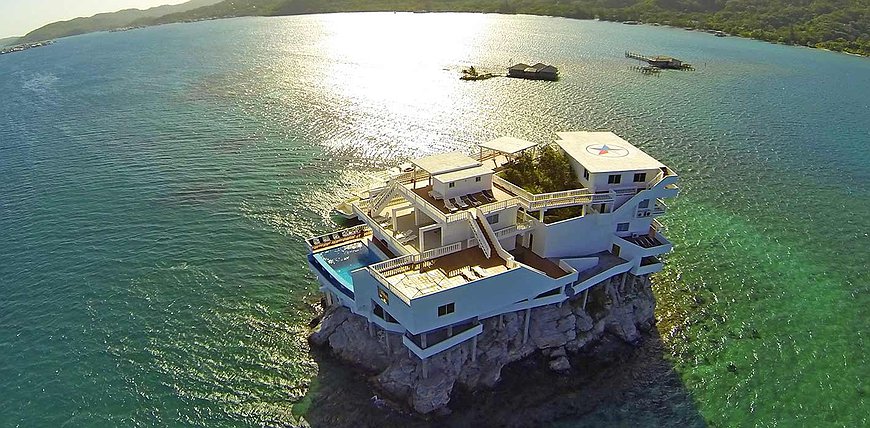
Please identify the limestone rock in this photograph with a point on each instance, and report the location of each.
(613, 307)
(560, 364)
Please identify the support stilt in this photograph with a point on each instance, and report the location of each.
(526, 327)
(474, 349)
(371, 332)
(387, 339)
(585, 296)
(425, 368)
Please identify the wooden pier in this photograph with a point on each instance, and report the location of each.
(660, 62)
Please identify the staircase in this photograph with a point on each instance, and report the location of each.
(384, 197)
(482, 242)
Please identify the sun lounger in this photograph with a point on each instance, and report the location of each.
(488, 194)
(449, 205)
(478, 198)
(483, 196)
(460, 203)
(435, 195)
(469, 201)
(478, 271)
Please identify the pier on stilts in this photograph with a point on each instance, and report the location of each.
(659, 62)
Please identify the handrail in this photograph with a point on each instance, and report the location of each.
(478, 234)
(430, 209)
(377, 227)
(384, 196)
(511, 187)
(535, 202)
(498, 206)
(508, 258)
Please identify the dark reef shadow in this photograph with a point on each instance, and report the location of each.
(611, 384)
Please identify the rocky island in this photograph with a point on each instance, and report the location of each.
(461, 265)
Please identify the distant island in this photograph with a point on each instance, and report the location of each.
(838, 25)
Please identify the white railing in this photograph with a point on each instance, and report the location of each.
(564, 198)
(384, 197)
(328, 239)
(498, 206)
(511, 188)
(478, 234)
(506, 232)
(525, 221)
(441, 251)
(393, 263)
(422, 203)
(378, 228)
(508, 258)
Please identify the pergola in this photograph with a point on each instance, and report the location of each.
(508, 146)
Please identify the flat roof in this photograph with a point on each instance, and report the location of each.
(445, 162)
(605, 152)
(476, 171)
(509, 145)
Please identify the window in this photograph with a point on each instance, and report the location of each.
(586, 174)
(451, 185)
(640, 177)
(383, 295)
(445, 309)
(622, 227)
(614, 179)
(492, 219)
(477, 179)
(643, 204)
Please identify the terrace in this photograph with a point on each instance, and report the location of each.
(452, 270)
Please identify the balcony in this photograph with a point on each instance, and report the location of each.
(428, 344)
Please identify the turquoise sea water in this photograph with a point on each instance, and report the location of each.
(155, 187)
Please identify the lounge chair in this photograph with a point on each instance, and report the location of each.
(469, 201)
(478, 271)
(478, 198)
(483, 196)
(435, 195)
(460, 203)
(488, 194)
(449, 205)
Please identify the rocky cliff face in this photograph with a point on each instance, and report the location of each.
(554, 330)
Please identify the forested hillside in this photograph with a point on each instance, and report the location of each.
(842, 25)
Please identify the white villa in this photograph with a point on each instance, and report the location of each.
(445, 241)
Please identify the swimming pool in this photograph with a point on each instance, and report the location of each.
(339, 262)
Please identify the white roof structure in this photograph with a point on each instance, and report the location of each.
(445, 162)
(462, 174)
(605, 152)
(508, 145)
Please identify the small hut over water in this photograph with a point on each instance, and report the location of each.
(539, 71)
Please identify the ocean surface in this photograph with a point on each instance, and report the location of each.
(156, 186)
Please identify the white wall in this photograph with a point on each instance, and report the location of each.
(463, 187)
(480, 297)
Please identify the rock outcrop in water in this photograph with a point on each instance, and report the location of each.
(554, 330)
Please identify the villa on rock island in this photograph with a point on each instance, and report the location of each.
(446, 241)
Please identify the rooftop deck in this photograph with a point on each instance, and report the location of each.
(423, 192)
(645, 241)
(447, 272)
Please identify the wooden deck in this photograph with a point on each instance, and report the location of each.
(527, 257)
(447, 272)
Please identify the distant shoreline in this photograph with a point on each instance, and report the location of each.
(136, 26)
